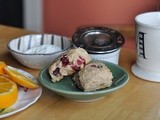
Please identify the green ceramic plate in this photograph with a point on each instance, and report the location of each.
(68, 89)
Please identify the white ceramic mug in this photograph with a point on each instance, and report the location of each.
(147, 65)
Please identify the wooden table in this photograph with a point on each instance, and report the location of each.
(138, 100)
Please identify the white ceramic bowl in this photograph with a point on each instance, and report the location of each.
(34, 59)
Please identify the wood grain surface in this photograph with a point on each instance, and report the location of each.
(137, 100)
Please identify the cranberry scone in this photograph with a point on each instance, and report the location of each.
(94, 76)
(68, 63)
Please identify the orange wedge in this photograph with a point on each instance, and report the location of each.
(20, 78)
(8, 92)
(2, 66)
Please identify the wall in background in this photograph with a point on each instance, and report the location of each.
(33, 15)
(63, 17)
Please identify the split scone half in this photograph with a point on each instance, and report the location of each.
(68, 63)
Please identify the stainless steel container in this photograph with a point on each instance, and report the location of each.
(100, 42)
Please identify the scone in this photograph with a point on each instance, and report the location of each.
(94, 76)
(68, 63)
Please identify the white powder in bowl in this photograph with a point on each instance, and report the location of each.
(43, 49)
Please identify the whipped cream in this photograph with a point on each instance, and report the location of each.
(43, 49)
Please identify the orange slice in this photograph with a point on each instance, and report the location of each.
(8, 92)
(20, 78)
(2, 66)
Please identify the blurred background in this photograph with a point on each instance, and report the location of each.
(11, 12)
(65, 16)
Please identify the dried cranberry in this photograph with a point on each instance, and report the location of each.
(82, 58)
(97, 66)
(79, 62)
(75, 68)
(56, 71)
(93, 66)
(65, 60)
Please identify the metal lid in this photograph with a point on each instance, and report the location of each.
(98, 39)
